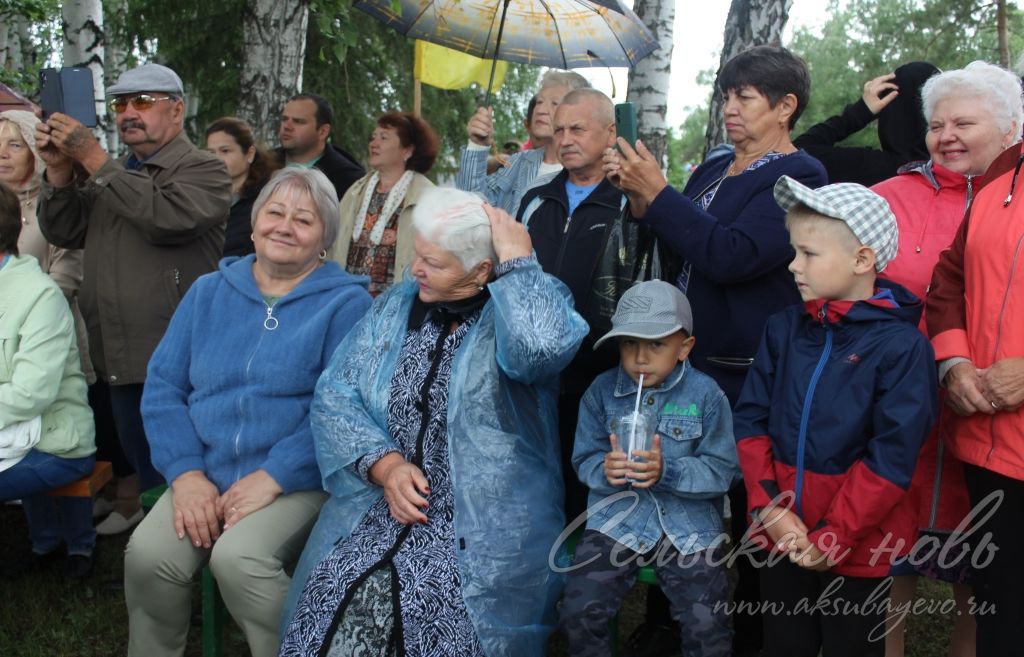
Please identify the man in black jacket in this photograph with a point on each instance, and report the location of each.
(567, 219)
(306, 122)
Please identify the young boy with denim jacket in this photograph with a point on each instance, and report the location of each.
(660, 506)
(841, 395)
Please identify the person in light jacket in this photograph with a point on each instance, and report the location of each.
(435, 431)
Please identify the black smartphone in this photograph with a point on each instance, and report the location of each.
(69, 91)
(625, 122)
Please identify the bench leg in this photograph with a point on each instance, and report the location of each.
(214, 616)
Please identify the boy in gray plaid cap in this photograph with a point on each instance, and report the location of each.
(833, 412)
(660, 505)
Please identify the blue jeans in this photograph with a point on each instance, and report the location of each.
(51, 519)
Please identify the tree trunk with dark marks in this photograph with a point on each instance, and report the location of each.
(649, 79)
(273, 51)
(750, 23)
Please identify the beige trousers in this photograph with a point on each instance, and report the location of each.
(248, 562)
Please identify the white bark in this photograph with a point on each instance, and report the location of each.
(750, 23)
(5, 33)
(82, 24)
(649, 79)
(274, 37)
(19, 44)
(115, 58)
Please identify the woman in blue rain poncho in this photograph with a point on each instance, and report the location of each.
(435, 432)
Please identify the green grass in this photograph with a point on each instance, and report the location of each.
(44, 615)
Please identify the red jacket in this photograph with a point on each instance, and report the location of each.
(976, 309)
(929, 202)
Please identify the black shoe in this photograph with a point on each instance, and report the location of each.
(653, 640)
(77, 566)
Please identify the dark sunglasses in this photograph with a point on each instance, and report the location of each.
(140, 102)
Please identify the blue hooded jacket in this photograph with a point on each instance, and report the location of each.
(502, 446)
(228, 396)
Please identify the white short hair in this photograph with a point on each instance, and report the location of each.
(571, 80)
(455, 221)
(998, 89)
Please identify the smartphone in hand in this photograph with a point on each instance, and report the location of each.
(68, 90)
(625, 122)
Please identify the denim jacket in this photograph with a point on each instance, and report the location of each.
(698, 454)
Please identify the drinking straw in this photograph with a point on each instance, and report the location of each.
(636, 416)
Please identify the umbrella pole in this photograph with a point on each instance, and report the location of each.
(497, 46)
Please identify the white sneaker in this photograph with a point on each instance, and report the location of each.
(118, 524)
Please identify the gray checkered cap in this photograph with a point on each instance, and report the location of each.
(866, 213)
(148, 77)
(652, 309)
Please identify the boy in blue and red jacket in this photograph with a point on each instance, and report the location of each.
(841, 395)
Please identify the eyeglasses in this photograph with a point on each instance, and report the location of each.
(140, 102)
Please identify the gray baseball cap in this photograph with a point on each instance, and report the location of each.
(866, 213)
(148, 77)
(652, 309)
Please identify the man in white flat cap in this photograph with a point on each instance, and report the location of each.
(151, 223)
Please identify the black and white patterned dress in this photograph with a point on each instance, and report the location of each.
(390, 589)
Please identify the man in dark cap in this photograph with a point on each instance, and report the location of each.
(151, 222)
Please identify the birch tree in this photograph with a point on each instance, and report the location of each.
(274, 45)
(115, 57)
(750, 23)
(649, 79)
(82, 25)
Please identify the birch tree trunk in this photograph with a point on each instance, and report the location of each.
(5, 34)
(649, 79)
(82, 24)
(115, 60)
(19, 44)
(274, 38)
(750, 23)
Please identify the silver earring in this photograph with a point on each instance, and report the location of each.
(323, 254)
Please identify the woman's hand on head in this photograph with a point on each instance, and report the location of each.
(873, 90)
(247, 495)
(194, 498)
(963, 391)
(1002, 384)
(404, 486)
(510, 238)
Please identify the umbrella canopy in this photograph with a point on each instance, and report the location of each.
(557, 33)
(11, 99)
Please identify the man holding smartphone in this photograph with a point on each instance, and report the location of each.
(150, 222)
(567, 219)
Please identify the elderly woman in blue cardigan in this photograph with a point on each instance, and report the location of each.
(226, 411)
(435, 432)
